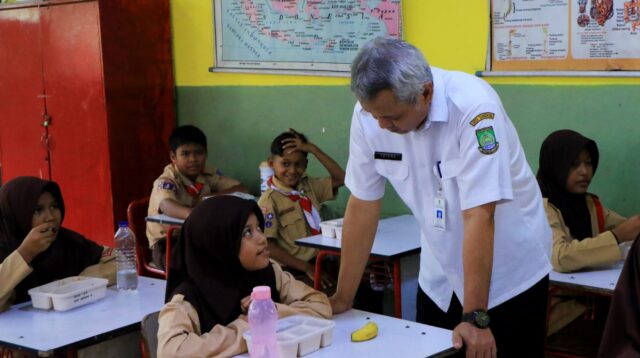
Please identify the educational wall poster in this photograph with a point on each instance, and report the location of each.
(304, 35)
(565, 35)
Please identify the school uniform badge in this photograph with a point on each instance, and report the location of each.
(487, 143)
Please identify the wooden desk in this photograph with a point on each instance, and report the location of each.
(397, 240)
(164, 219)
(42, 332)
(396, 338)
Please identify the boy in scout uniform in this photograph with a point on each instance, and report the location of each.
(184, 183)
(292, 200)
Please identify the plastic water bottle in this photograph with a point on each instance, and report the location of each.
(127, 277)
(265, 173)
(263, 318)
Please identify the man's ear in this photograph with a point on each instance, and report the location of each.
(427, 92)
(172, 156)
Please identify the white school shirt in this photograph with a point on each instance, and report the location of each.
(463, 110)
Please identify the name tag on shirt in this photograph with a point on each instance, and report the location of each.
(387, 156)
(439, 213)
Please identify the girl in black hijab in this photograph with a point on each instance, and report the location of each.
(34, 248)
(585, 233)
(220, 256)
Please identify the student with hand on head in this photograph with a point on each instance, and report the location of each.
(292, 201)
(221, 255)
(585, 233)
(184, 183)
(34, 247)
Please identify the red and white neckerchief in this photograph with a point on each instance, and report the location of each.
(194, 189)
(310, 212)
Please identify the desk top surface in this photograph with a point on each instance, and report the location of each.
(395, 237)
(164, 219)
(598, 280)
(396, 338)
(44, 331)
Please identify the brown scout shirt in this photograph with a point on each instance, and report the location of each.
(569, 255)
(284, 218)
(172, 185)
(179, 333)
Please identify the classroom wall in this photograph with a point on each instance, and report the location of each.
(241, 113)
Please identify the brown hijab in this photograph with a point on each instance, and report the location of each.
(621, 337)
(68, 255)
(205, 265)
(558, 152)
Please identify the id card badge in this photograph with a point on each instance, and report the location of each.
(439, 212)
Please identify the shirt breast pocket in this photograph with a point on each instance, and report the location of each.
(293, 224)
(394, 171)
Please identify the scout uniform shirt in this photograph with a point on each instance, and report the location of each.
(173, 185)
(570, 254)
(285, 219)
(179, 334)
(465, 155)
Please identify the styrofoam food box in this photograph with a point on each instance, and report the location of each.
(339, 232)
(300, 335)
(68, 293)
(328, 227)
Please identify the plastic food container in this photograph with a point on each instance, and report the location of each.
(300, 335)
(68, 293)
(329, 227)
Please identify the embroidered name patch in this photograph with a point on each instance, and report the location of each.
(480, 117)
(487, 143)
(387, 156)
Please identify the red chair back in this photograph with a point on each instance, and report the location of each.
(136, 212)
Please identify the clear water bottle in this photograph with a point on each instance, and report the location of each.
(263, 318)
(265, 173)
(127, 277)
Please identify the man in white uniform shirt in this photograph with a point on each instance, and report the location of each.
(445, 143)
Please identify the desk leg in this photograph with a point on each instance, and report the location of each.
(397, 289)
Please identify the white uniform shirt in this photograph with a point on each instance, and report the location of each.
(465, 111)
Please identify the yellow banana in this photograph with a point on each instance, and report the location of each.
(367, 332)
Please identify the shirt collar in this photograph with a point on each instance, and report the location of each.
(438, 111)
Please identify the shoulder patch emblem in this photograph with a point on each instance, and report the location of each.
(480, 117)
(167, 185)
(487, 143)
(269, 216)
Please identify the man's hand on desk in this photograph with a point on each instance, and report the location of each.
(478, 342)
(339, 305)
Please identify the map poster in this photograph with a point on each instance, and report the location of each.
(565, 35)
(299, 35)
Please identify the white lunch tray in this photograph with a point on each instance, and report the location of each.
(332, 228)
(300, 335)
(65, 294)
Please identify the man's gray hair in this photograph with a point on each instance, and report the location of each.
(388, 63)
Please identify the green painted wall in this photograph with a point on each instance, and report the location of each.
(240, 123)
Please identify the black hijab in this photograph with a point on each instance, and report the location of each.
(205, 265)
(558, 152)
(68, 255)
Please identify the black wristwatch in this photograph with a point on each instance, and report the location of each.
(478, 318)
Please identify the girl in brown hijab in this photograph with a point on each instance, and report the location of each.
(34, 248)
(221, 255)
(585, 233)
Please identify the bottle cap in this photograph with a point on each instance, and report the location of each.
(261, 293)
(123, 223)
